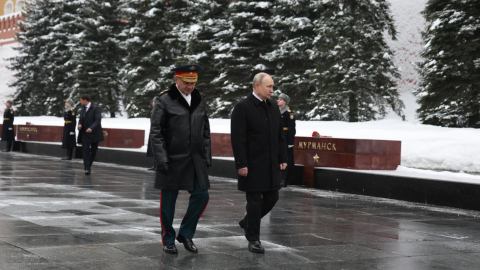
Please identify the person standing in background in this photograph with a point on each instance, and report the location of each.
(68, 141)
(289, 131)
(8, 134)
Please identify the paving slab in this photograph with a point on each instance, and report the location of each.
(53, 216)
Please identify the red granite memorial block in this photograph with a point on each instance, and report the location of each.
(123, 138)
(117, 138)
(358, 154)
(221, 145)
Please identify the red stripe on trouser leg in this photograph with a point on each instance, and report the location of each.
(204, 209)
(161, 224)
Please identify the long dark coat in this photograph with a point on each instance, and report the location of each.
(69, 128)
(7, 128)
(93, 120)
(258, 143)
(180, 135)
(149, 145)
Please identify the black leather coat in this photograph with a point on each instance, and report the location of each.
(180, 135)
(69, 128)
(7, 127)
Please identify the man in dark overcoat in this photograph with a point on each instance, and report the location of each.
(288, 119)
(149, 145)
(8, 134)
(91, 132)
(260, 154)
(68, 141)
(180, 137)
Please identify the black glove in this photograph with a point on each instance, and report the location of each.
(163, 168)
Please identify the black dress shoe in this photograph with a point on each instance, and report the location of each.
(87, 172)
(187, 243)
(256, 247)
(153, 168)
(171, 249)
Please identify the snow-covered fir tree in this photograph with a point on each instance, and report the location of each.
(200, 44)
(156, 36)
(44, 67)
(293, 36)
(354, 71)
(238, 50)
(30, 96)
(449, 93)
(97, 56)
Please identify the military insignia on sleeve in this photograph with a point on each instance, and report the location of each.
(11, 110)
(291, 116)
(73, 114)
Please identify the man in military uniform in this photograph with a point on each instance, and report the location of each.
(180, 140)
(288, 119)
(7, 128)
(149, 145)
(68, 141)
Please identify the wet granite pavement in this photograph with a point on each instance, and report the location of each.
(52, 216)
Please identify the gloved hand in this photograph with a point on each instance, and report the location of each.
(163, 168)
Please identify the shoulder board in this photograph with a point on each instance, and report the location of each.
(163, 92)
(201, 93)
(289, 110)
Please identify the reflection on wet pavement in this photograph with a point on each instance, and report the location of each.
(52, 216)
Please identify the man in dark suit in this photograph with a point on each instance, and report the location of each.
(289, 131)
(7, 127)
(91, 132)
(260, 153)
(68, 141)
(182, 151)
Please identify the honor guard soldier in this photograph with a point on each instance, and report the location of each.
(68, 141)
(288, 119)
(7, 129)
(180, 140)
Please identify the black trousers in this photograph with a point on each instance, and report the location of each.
(290, 165)
(89, 152)
(196, 206)
(259, 204)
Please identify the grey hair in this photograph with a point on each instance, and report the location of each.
(259, 78)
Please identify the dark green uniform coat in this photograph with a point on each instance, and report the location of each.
(180, 136)
(7, 128)
(69, 128)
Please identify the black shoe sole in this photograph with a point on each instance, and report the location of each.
(170, 251)
(257, 251)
